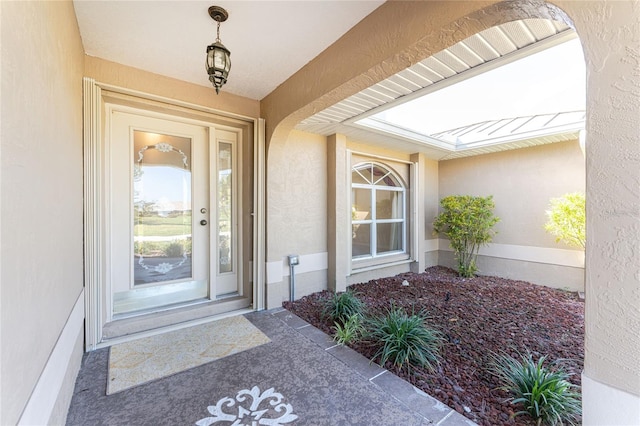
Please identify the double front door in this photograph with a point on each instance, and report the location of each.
(174, 213)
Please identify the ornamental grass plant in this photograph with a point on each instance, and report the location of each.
(349, 332)
(543, 392)
(404, 339)
(342, 306)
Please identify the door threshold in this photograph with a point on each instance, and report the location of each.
(166, 308)
(172, 327)
(183, 316)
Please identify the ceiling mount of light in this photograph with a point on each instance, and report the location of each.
(218, 61)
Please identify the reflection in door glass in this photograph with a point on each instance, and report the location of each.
(161, 208)
(225, 213)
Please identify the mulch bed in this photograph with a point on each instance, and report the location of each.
(479, 316)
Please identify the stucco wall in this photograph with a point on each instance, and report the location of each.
(610, 34)
(296, 199)
(297, 205)
(399, 34)
(41, 188)
(119, 75)
(522, 182)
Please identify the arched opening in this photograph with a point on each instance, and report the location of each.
(609, 356)
(510, 141)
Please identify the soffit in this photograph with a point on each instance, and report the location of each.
(478, 53)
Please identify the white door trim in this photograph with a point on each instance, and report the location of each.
(259, 215)
(95, 231)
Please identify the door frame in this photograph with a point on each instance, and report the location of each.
(96, 95)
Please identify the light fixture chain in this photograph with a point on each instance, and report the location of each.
(218, 32)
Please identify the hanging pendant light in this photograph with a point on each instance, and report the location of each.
(218, 61)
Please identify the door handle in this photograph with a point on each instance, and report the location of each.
(203, 222)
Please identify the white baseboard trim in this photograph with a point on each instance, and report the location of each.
(552, 256)
(277, 270)
(43, 398)
(431, 245)
(604, 405)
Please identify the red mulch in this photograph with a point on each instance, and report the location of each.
(478, 316)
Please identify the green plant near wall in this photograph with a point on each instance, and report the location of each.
(566, 219)
(350, 331)
(342, 306)
(404, 339)
(543, 392)
(467, 222)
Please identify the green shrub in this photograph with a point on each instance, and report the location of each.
(147, 248)
(174, 249)
(545, 394)
(342, 306)
(350, 332)
(566, 219)
(467, 222)
(404, 339)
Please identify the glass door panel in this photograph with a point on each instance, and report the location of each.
(225, 261)
(225, 208)
(162, 208)
(159, 242)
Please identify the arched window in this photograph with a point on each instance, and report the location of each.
(378, 216)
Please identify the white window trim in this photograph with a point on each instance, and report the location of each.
(375, 260)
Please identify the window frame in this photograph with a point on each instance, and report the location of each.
(374, 257)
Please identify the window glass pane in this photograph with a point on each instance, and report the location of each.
(161, 207)
(225, 212)
(388, 204)
(361, 240)
(361, 207)
(383, 177)
(389, 237)
(361, 174)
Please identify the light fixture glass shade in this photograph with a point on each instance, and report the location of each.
(218, 64)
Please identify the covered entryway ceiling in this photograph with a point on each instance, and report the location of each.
(269, 40)
(169, 38)
(482, 52)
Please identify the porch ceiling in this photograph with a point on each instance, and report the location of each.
(169, 38)
(269, 40)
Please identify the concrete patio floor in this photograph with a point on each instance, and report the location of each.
(301, 377)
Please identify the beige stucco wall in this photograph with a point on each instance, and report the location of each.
(123, 76)
(41, 189)
(296, 196)
(308, 209)
(399, 34)
(522, 182)
(308, 205)
(297, 204)
(610, 34)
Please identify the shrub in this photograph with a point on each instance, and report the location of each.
(147, 248)
(350, 331)
(546, 394)
(566, 219)
(404, 339)
(174, 249)
(342, 306)
(467, 222)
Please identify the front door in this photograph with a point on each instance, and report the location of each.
(173, 213)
